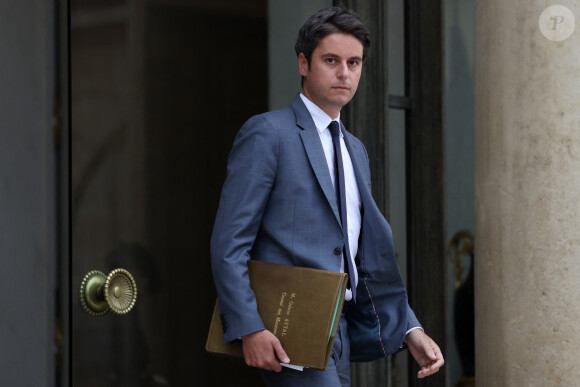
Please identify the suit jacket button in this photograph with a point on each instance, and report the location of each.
(337, 251)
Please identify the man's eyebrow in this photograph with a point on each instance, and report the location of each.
(332, 55)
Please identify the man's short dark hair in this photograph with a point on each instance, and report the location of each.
(328, 21)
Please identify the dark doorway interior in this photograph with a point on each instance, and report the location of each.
(158, 90)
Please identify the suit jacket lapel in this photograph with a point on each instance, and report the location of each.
(315, 152)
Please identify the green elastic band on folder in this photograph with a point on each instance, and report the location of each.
(335, 312)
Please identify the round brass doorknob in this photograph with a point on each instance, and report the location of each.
(99, 293)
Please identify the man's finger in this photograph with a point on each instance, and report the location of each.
(437, 357)
(427, 372)
(276, 367)
(280, 353)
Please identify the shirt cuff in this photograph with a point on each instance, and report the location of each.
(412, 329)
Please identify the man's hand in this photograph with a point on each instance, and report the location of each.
(425, 351)
(263, 350)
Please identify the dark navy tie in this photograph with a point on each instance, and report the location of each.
(341, 200)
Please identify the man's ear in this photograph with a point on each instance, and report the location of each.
(302, 64)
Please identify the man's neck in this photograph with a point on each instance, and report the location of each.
(314, 108)
(333, 113)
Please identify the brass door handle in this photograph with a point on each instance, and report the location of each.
(116, 291)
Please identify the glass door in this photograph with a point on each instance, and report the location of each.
(158, 91)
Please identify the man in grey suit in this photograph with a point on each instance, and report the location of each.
(279, 204)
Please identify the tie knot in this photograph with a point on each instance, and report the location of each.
(334, 129)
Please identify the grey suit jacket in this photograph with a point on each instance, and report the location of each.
(278, 205)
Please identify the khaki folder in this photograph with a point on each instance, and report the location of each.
(301, 306)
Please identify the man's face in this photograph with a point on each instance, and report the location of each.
(335, 69)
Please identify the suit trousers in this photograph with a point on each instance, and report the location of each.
(337, 373)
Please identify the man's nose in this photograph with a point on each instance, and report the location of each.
(342, 70)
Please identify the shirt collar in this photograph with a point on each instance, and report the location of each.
(320, 118)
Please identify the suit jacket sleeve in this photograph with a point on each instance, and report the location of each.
(251, 173)
(412, 321)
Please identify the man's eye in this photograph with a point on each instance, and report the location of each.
(330, 60)
(354, 63)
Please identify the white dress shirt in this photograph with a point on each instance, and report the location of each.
(353, 202)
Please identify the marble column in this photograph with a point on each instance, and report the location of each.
(527, 193)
